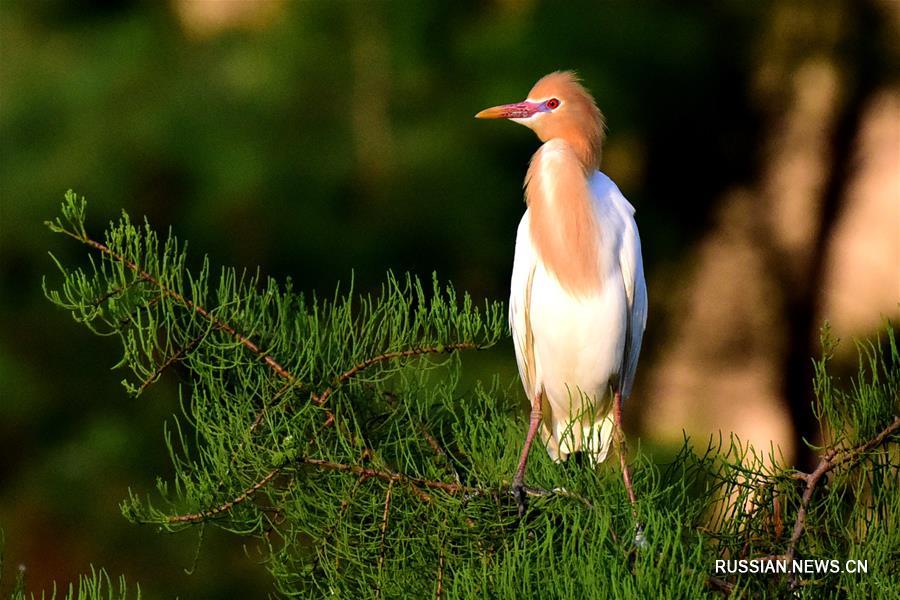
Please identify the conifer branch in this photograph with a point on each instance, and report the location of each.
(320, 399)
(405, 424)
(382, 548)
(150, 303)
(342, 509)
(211, 513)
(389, 476)
(562, 493)
(439, 451)
(421, 494)
(116, 290)
(355, 370)
(363, 472)
(186, 302)
(432, 441)
(440, 573)
(720, 585)
(832, 459)
(173, 358)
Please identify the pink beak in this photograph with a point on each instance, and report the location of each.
(518, 110)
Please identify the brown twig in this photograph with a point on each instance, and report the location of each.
(832, 459)
(116, 291)
(776, 515)
(562, 492)
(276, 400)
(439, 451)
(320, 399)
(829, 461)
(384, 526)
(446, 486)
(189, 304)
(421, 494)
(213, 512)
(450, 488)
(432, 441)
(345, 504)
(349, 373)
(178, 355)
(719, 584)
(440, 573)
(146, 306)
(364, 473)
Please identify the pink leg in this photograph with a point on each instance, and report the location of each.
(518, 486)
(620, 433)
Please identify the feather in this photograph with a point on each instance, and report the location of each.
(573, 347)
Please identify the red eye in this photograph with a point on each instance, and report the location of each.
(552, 103)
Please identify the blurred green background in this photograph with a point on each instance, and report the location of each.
(313, 139)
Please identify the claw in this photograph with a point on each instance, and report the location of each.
(518, 491)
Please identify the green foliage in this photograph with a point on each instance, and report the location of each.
(338, 436)
(96, 586)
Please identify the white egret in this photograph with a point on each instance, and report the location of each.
(578, 303)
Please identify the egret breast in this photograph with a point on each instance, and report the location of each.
(569, 347)
(578, 345)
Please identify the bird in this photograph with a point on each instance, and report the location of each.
(578, 297)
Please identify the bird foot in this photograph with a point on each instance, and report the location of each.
(520, 494)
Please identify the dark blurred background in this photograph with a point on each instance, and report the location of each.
(759, 141)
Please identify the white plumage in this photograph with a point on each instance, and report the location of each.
(580, 347)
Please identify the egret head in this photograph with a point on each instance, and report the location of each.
(558, 107)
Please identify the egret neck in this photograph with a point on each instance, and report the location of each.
(564, 229)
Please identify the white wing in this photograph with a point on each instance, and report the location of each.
(632, 268)
(519, 305)
(636, 292)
